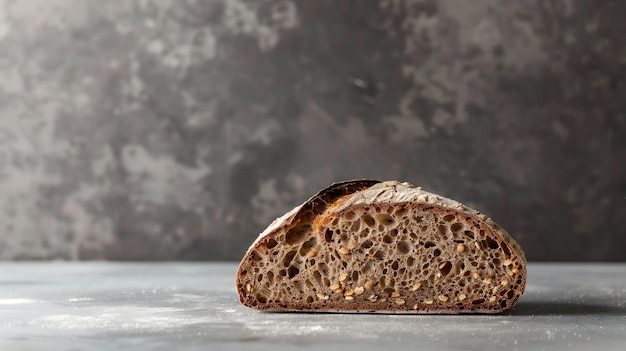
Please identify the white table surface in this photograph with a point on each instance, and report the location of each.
(193, 306)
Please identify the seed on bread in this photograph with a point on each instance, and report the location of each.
(390, 240)
(322, 296)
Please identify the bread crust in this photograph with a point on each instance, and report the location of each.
(340, 198)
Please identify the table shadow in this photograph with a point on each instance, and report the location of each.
(537, 308)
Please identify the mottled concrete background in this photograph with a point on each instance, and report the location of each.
(168, 130)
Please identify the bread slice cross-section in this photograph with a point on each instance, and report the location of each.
(367, 246)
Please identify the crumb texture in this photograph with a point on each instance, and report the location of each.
(427, 256)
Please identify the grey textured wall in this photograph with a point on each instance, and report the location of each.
(180, 129)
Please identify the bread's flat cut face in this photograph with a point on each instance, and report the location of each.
(365, 246)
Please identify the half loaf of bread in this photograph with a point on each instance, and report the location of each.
(367, 246)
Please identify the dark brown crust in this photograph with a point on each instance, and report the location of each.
(318, 202)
